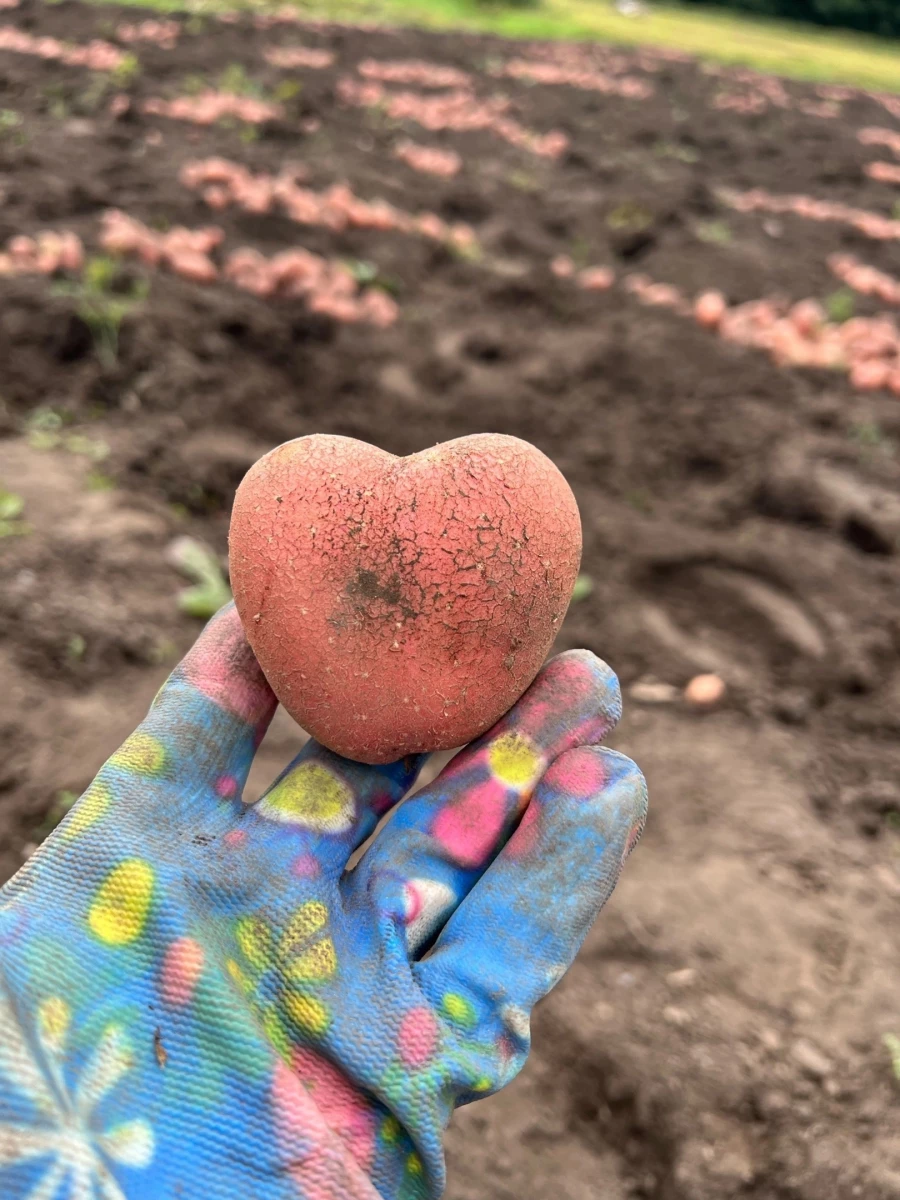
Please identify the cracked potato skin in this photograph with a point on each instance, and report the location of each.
(399, 605)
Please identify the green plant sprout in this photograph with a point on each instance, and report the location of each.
(362, 271)
(288, 89)
(193, 85)
(102, 302)
(127, 70)
(97, 481)
(714, 233)
(46, 431)
(235, 79)
(56, 98)
(11, 508)
(523, 181)
(840, 306)
(76, 647)
(677, 150)
(629, 217)
(892, 1045)
(209, 591)
(584, 585)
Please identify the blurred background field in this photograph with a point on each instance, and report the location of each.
(800, 50)
(680, 278)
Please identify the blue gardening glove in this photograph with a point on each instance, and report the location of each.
(197, 999)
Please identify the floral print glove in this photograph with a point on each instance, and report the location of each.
(199, 999)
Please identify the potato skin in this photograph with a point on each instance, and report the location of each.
(396, 604)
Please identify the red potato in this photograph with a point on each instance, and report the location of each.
(22, 248)
(596, 279)
(808, 318)
(193, 266)
(870, 376)
(399, 605)
(217, 197)
(709, 309)
(563, 267)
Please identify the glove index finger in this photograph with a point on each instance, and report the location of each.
(223, 669)
(210, 715)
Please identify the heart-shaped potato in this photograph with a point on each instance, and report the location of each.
(402, 604)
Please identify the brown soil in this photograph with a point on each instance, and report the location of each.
(721, 1033)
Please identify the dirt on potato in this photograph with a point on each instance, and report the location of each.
(722, 1032)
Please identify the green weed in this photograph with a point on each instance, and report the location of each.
(193, 85)
(840, 306)
(514, 4)
(95, 95)
(11, 508)
(677, 150)
(892, 1045)
(473, 253)
(56, 101)
(127, 71)
(234, 79)
(629, 217)
(580, 252)
(868, 433)
(714, 233)
(46, 430)
(96, 481)
(287, 90)
(209, 591)
(44, 426)
(584, 585)
(523, 181)
(103, 301)
(12, 128)
(362, 271)
(76, 647)
(870, 436)
(162, 652)
(368, 274)
(88, 447)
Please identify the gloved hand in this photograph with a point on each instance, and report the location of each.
(199, 1000)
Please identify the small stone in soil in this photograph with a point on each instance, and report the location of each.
(793, 706)
(651, 691)
(684, 978)
(811, 1059)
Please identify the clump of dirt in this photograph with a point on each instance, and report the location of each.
(721, 1033)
